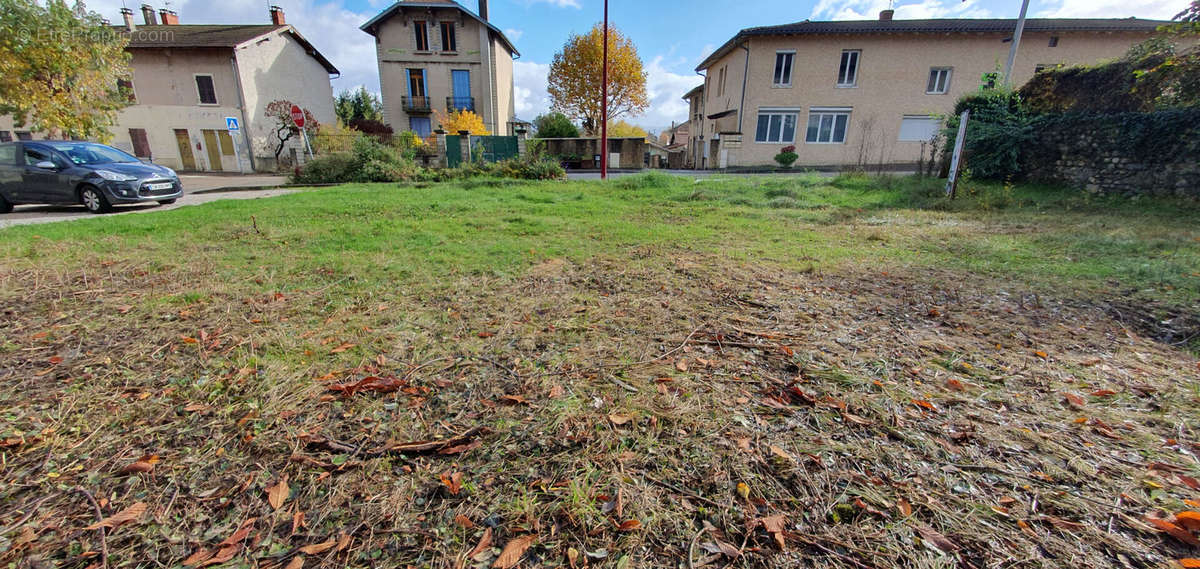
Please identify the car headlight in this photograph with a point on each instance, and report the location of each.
(115, 176)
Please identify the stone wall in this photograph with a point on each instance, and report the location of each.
(580, 152)
(1122, 154)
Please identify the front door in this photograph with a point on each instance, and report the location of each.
(214, 150)
(186, 159)
(461, 80)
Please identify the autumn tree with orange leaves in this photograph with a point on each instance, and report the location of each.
(575, 78)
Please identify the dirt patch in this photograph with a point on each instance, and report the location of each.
(670, 410)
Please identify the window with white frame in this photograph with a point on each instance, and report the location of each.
(783, 68)
(827, 125)
(848, 70)
(939, 81)
(778, 127)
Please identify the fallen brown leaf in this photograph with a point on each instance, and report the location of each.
(453, 482)
(629, 525)
(1173, 531)
(240, 534)
(122, 517)
(296, 563)
(318, 548)
(936, 539)
(511, 555)
(681, 364)
(200, 556)
(904, 507)
(278, 494)
(1189, 520)
(484, 542)
(776, 526)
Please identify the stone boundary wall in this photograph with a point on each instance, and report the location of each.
(1124, 154)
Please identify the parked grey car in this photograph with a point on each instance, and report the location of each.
(67, 172)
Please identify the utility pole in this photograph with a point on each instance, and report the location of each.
(1016, 42)
(604, 102)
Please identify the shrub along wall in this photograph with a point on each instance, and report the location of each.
(1128, 154)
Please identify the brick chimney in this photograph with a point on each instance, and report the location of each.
(483, 10)
(277, 16)
(148, 15)
(169, 17)
(127, 15)
(886, 15)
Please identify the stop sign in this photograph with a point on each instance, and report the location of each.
(297, 116)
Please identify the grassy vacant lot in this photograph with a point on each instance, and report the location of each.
(653, 372)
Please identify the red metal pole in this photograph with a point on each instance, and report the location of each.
(604, 103)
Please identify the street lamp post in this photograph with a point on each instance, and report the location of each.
(1016, 42)
(604, 102)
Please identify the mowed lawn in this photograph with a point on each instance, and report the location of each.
(651, 372)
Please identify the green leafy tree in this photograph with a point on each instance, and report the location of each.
(356, 106)
(59, 68)
(555, 125)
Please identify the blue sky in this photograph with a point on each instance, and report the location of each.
(672, 36)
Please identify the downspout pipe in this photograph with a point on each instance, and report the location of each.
(745, 78)
(703, 103)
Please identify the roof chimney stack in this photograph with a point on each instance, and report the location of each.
(127, 15)
(148, 15)
(169, 17)
(483, 10)
(886, 15)
(277, 16)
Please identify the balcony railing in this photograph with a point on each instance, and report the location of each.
(416, 104)
(460, 104)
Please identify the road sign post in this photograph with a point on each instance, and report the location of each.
(234, 126)
(298, 118)
(956, 158)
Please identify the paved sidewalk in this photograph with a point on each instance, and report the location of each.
(193, 183)
(28, 214)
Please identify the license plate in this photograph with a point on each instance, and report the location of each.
(162, 186)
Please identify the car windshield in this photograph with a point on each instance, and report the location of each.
(86, 153)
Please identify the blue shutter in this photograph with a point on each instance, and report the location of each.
(462, 89)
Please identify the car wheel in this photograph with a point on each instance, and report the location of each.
(5, 205)
(93, 199)
(166, 202)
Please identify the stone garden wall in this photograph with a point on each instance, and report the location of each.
(1126, 154)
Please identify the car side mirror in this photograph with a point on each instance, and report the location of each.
(46, 165)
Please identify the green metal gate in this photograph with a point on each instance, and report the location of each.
(453, 151)
(494, 148)
(486, 148)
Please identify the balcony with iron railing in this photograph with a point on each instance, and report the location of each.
(460, 104)
(416, 105)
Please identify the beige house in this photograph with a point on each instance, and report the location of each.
(188, 80)
(435, 55)
(870, 92)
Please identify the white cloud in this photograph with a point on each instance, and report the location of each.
(1156, 9)
(514, 34)
(664, 89)
(330, 27)
(529, 85)
(924, 9)
(559, 3)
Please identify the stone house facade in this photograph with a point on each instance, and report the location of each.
(870, 92)
(435, 55)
